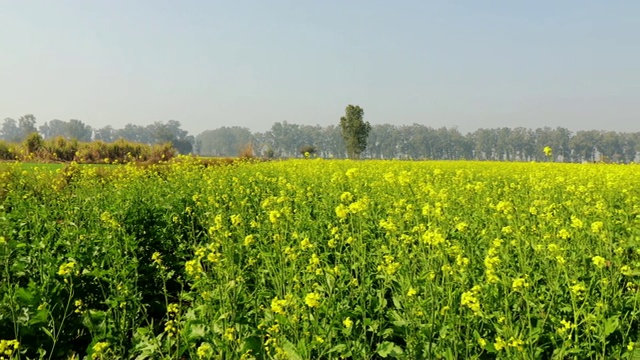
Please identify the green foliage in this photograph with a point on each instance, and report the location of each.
(6, 151)
(33, 143)
(355, 131)
(171, 132)
(34, 148)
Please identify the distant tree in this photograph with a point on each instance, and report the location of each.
(486, 142)
(224, 141)
(106, 134)
(333, 145)
(611, 146)
(585, 145)
(630, 142)
(287, 138)
(26, 126)
(135, 133)
(78, 130)
(382, 143)
(263, 144)
(172, 132)
(520, 140)
(562, 137)
(10, 131)
(73, 129)
(53, 128)
(355, 131)
(184, 146)
(197, 146)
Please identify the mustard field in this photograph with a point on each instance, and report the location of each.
(320, 259)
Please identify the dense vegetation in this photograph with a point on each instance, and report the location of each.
(13, 131)
(35, 149)
(313, 259)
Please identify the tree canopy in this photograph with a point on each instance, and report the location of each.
(355, 131)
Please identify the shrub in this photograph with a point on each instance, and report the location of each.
(5, 151)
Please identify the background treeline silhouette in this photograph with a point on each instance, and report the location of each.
(385, 141)
(423, 142)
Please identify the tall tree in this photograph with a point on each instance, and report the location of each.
(135, 133)
(26, 126)
(10, 130)
(355, 131)
(106, 134)
(172, 132)
(53, 128)
(78, 130)
(333, 144)
(73, 129)
(585, 145)
(224, 141)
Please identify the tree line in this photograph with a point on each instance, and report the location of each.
(156, 133)
(384, 141)
(418, 141)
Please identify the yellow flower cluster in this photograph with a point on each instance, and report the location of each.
(312, 299)
(99, 350)
(204, 351)
(8, 348)
(513, 342)
(519, 284)
(565, 326)
(389, 266)
(194, 268)
(470, 299)
(491, 261)
(66, 268)
(598, 261)
(279, 306)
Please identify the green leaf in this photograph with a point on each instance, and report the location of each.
(40, 317)
(196, 331)
(24, 296)
(290, 350)
(49, 334)
(252, 343)
(387, 348)
(398, 320)
(566, 309)
(611, 325)
(338, 348)
(145, 346)
(396, 302)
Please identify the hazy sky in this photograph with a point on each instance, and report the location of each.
(209, 64)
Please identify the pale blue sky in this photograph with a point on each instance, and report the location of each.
(251, 63)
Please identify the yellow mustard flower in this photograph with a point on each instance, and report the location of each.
(598, 261)
(66, 268)
(312, 300)
(348, 323)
